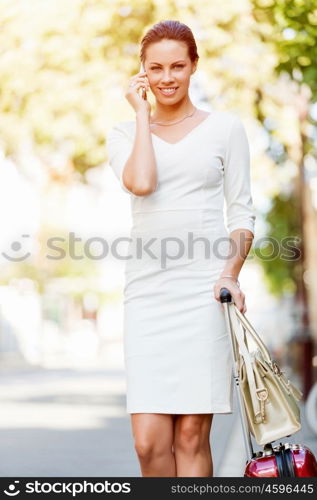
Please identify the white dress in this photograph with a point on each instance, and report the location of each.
(176, 348)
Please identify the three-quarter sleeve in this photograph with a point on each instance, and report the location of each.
(240, 212)
(119, 147)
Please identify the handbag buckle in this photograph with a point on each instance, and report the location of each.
(262, 394)
(276, 368)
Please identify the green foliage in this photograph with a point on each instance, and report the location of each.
(63, 66)
(59, 67)
(293, 31)
(290, 26)
(280, 253)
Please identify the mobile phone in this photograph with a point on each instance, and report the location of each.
(144, 96)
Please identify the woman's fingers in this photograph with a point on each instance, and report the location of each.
(239, 299)
(240, 303)
(232, 287)
(137, 83)
(138, 101)
(139, 77)
(136, 87)
(237, 295)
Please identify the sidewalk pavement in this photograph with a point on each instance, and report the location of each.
(73, 423)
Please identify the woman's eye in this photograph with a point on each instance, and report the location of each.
(176, 66)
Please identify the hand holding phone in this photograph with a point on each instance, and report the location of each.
(144, 95)
(138, 100)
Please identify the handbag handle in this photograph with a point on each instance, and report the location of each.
(225, 296)
(258, 394)
(255, 336)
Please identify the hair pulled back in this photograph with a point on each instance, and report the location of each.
(170, 30)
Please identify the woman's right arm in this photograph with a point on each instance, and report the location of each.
(140, 174)
(135, 168)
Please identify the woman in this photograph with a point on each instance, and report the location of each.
(179, 164)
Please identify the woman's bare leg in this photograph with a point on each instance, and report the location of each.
(153, 439)
(192, 445)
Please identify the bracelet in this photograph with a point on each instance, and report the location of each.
(230, 276)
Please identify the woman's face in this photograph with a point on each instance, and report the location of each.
(168, 65)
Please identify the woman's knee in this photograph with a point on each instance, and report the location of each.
(147, 449)
(192, 434)
(150, 440)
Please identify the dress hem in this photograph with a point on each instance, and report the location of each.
(183, 412)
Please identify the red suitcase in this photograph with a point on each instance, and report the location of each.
(282, 460)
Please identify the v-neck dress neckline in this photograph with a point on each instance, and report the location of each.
(185, 136)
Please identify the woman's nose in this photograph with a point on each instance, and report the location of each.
(167, 78)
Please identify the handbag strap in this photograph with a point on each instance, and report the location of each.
(258, 394)
(255, 336)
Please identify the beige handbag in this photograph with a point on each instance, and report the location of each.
(270, 399)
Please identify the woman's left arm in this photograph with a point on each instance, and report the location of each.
(240, 211)
(241, 242)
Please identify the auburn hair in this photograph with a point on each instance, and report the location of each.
(170, 30)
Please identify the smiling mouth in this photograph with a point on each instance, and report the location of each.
(168, 90)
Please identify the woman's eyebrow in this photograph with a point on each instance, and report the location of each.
(181, 60)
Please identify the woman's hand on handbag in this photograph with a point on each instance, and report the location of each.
(136, 83)
(233, 287)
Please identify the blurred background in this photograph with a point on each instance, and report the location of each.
(63, 69)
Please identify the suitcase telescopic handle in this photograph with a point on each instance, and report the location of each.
(225, 295)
